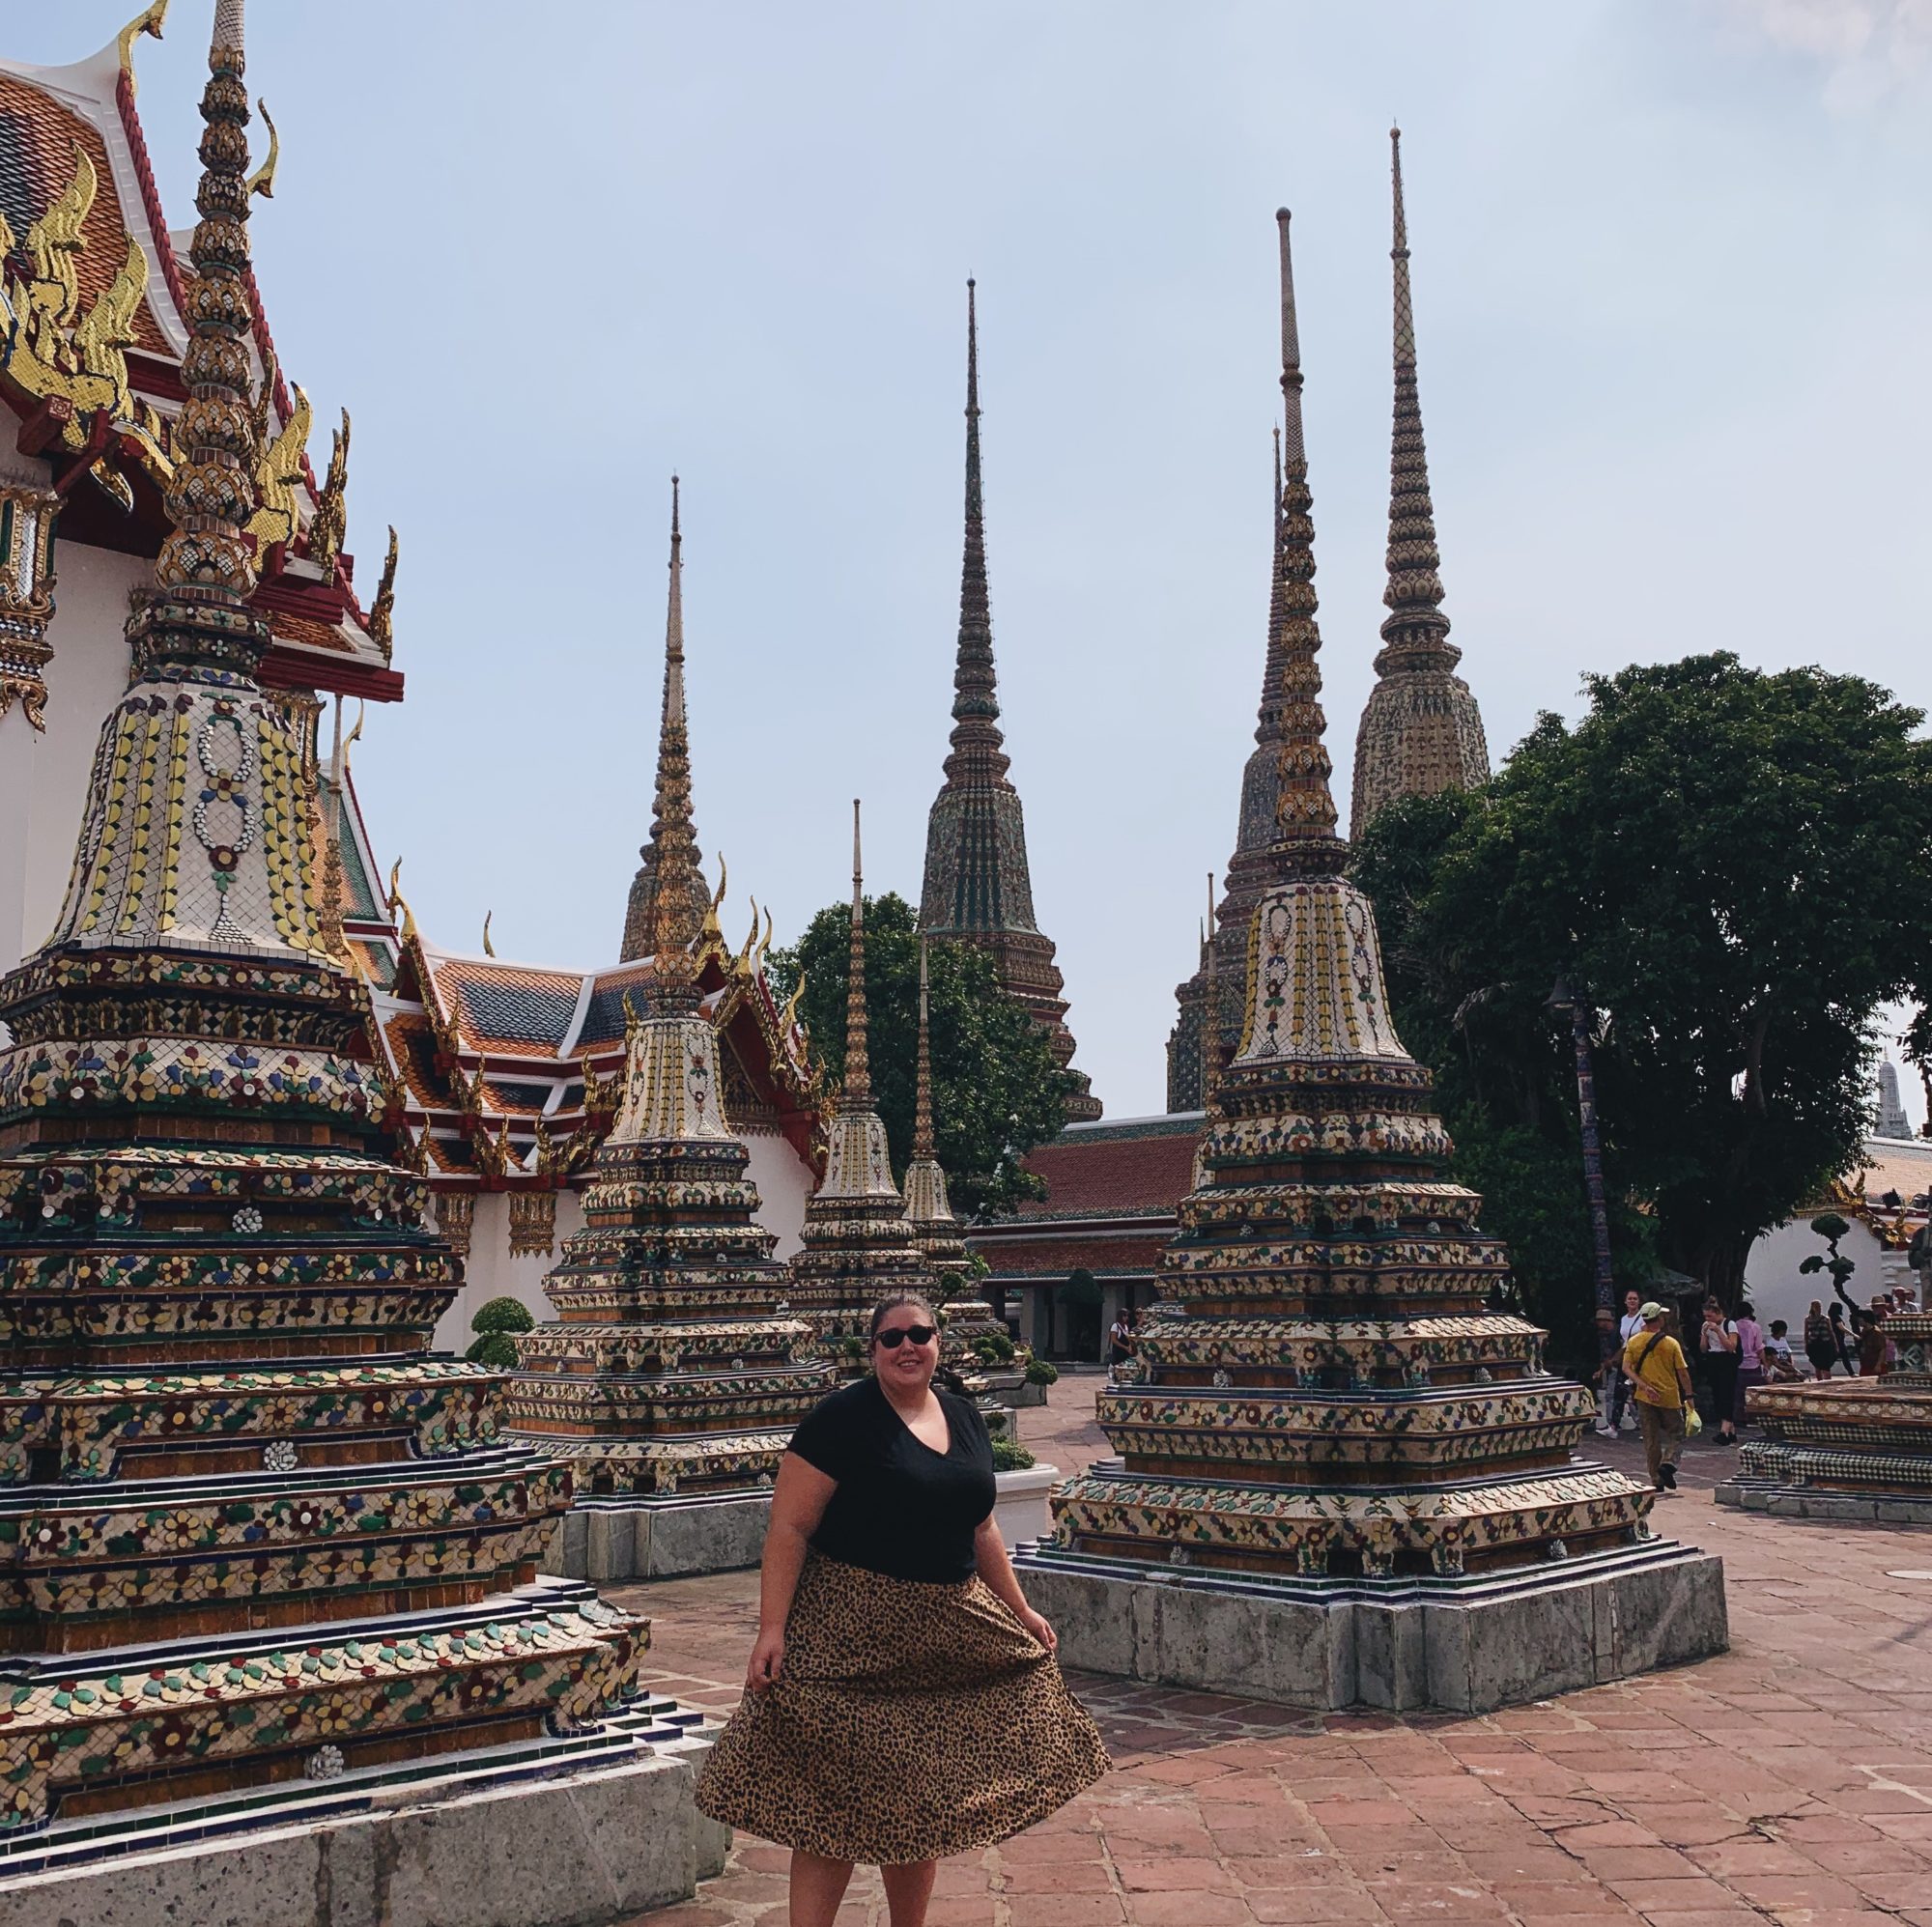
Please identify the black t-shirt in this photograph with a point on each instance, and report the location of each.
(902, 1508)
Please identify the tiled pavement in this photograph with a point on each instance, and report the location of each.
(1788, 1781)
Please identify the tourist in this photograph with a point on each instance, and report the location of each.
(1660, 1383)
(1615, 1408)
(1751, 1360)
(1779, 1367)
(1873, 1343)
(904, 1703)
(1848, 1355)
(1718, 1343)
(1820, 1343)
(1120, 1343)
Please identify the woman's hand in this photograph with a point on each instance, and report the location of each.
(767, 1659)
(1035, 1623)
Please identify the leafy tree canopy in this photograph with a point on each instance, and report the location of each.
(996, 1089)
(1733, 869)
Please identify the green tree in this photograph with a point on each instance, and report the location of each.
(996, 1090)
(1734, 869)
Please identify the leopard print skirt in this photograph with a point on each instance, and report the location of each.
(908, 1722)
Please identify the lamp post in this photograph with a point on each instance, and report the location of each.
(1562, 999)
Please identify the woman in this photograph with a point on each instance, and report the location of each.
(1848, 1358)
(1820, 1346)
(1751, 1359)
(1718, 1342)
(904, 1703)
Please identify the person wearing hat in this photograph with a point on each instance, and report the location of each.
(1660, 1378)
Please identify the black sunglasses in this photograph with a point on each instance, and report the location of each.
(916, 1333)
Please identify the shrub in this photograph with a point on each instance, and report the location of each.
(1011, 1456)
(1041, 1372)
(497, 1314)
(494, 1320)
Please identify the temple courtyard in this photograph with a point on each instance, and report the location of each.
(1789, 1781)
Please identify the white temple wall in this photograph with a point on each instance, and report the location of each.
(491, 1272)
(1778, 1290)
(785, 1183)
(43, 777)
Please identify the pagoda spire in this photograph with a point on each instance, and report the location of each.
(1420, 730)
(922, 1114)
(206, 573)
(1414, 591)
(671, 814)
(976, 698)
(977, 887)
(1305, 842)
(674, 919)
(856, 1089)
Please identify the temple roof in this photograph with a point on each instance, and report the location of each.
(74, 168)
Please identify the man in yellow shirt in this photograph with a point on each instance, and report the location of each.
(1660, 1380)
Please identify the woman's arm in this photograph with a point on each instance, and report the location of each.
(989, 1556)
(798, 1503)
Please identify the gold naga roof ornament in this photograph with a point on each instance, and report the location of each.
(148, 21)
(489, 948)
(328, 527)
(382, 620)
(55, 352)
(278, 467)
(263, 181)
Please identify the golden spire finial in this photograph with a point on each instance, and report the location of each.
(856, 1089)
(206, 576)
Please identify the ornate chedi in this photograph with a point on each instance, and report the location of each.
(250, 1531)
(1421, 730)
(1845, 1448)
(856, 1246)
(641, 912)
(1322, 1401)
(978, 886)
(669, 1373)
(1198, 1044)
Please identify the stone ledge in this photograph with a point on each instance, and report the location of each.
(610, 1540)
(574, 1851)
(1471, 1652)
(1808, 1502)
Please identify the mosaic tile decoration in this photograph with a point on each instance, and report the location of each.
(219, 1424)
(1325, 1387)
(672, 1369)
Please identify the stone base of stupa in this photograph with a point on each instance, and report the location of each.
(1848, 1449)
(568, 1833)
(605, 1540)
(1465, 1645)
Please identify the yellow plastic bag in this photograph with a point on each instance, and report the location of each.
(1693, 1422)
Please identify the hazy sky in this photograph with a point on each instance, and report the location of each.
(1671, 288)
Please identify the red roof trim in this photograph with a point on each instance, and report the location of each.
(151, 198)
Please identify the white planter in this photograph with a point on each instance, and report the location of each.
(1021, 1507)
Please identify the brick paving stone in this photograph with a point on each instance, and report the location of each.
(1789, 1781)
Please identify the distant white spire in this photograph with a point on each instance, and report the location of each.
(1892, 1122)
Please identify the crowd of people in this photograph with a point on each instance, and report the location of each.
(1652, 1384)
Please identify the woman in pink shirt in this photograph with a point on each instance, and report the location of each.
(1750, 1357)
